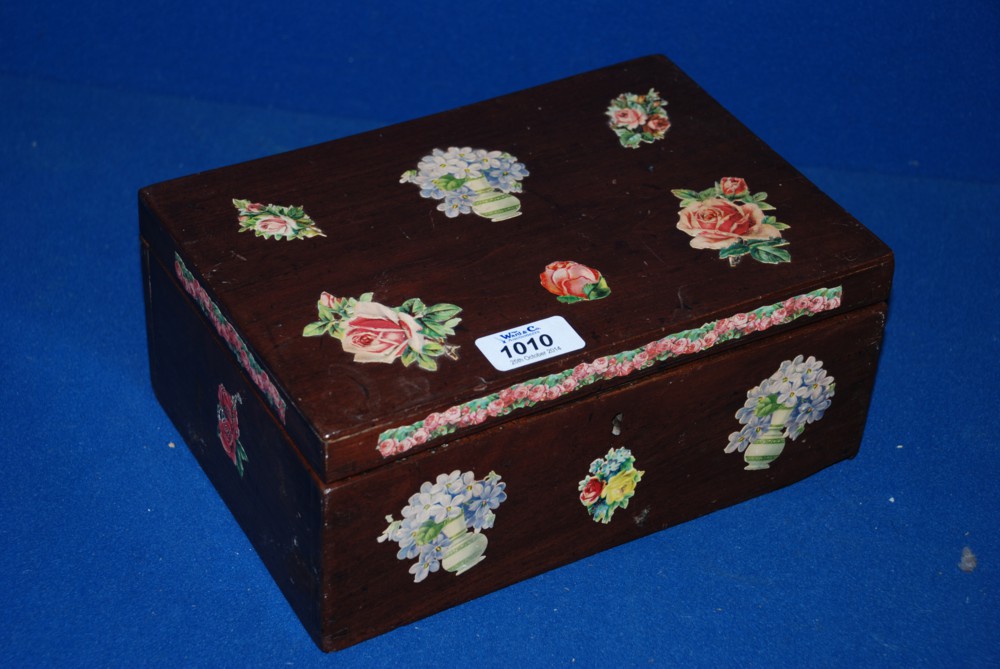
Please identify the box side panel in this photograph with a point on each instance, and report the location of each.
(161, 247)
(593, 474)
(222, 417)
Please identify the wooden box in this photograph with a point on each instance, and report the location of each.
(425, 362)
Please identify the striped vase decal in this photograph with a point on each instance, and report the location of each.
(491, 203)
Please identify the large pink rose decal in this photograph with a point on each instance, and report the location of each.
(573, 282)
(728, 218)
(412, 332)
(377, 333)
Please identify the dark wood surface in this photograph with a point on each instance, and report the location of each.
(278, 499)
(587, 199)
(676, 425)
(319, 541)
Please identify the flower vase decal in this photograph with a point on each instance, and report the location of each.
(798, 394)
(412, 332)
(470, 180)
(275, 221)
(442, 524)
(638, 118)
(228, 428)
(572, 282)
(728, 218)
(610, 484)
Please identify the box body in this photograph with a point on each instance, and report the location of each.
(327, 358)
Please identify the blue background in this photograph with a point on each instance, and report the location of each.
(116, 549)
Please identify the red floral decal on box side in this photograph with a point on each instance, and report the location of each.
(229, 427)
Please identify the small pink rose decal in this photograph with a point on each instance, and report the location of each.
(728, 218)
(638, 118)
(574, 282)
(274, 221)
(373, 332)
(228, 427)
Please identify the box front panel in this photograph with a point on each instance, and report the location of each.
(484, 511)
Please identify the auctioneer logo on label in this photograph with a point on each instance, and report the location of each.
(527, 344)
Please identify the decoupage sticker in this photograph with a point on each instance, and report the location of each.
(638, 118)
(228, 427)
(726, 217)
(436, 523)
(232, 338)
(412, 332)
(470, 180)
(573, 282)
(798, 394)
(275, 221)
(610, 484)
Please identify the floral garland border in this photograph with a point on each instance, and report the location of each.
(546, 388)
(230, 336)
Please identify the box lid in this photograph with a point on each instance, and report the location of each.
(625, 201)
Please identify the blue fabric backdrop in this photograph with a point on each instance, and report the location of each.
(116, 550)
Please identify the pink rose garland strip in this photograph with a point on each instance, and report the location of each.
(728, 218)
(547, 388)
(373, 332)
(572, 282)
(638, 118)
(229, 427)
(275, 221)
(229, 335)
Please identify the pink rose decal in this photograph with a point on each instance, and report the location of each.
(629, 118)
(638, 119)
(717, 223)
(732, 186)
(278, 226)
(574, 282)
(731, 220)
(377, 333)
(228, 428)
(412, 332)
(274, 221)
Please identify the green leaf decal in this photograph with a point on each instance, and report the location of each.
(597, 291)
(771, 255)
(315, 329)
(442, 312)
(736, 250)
